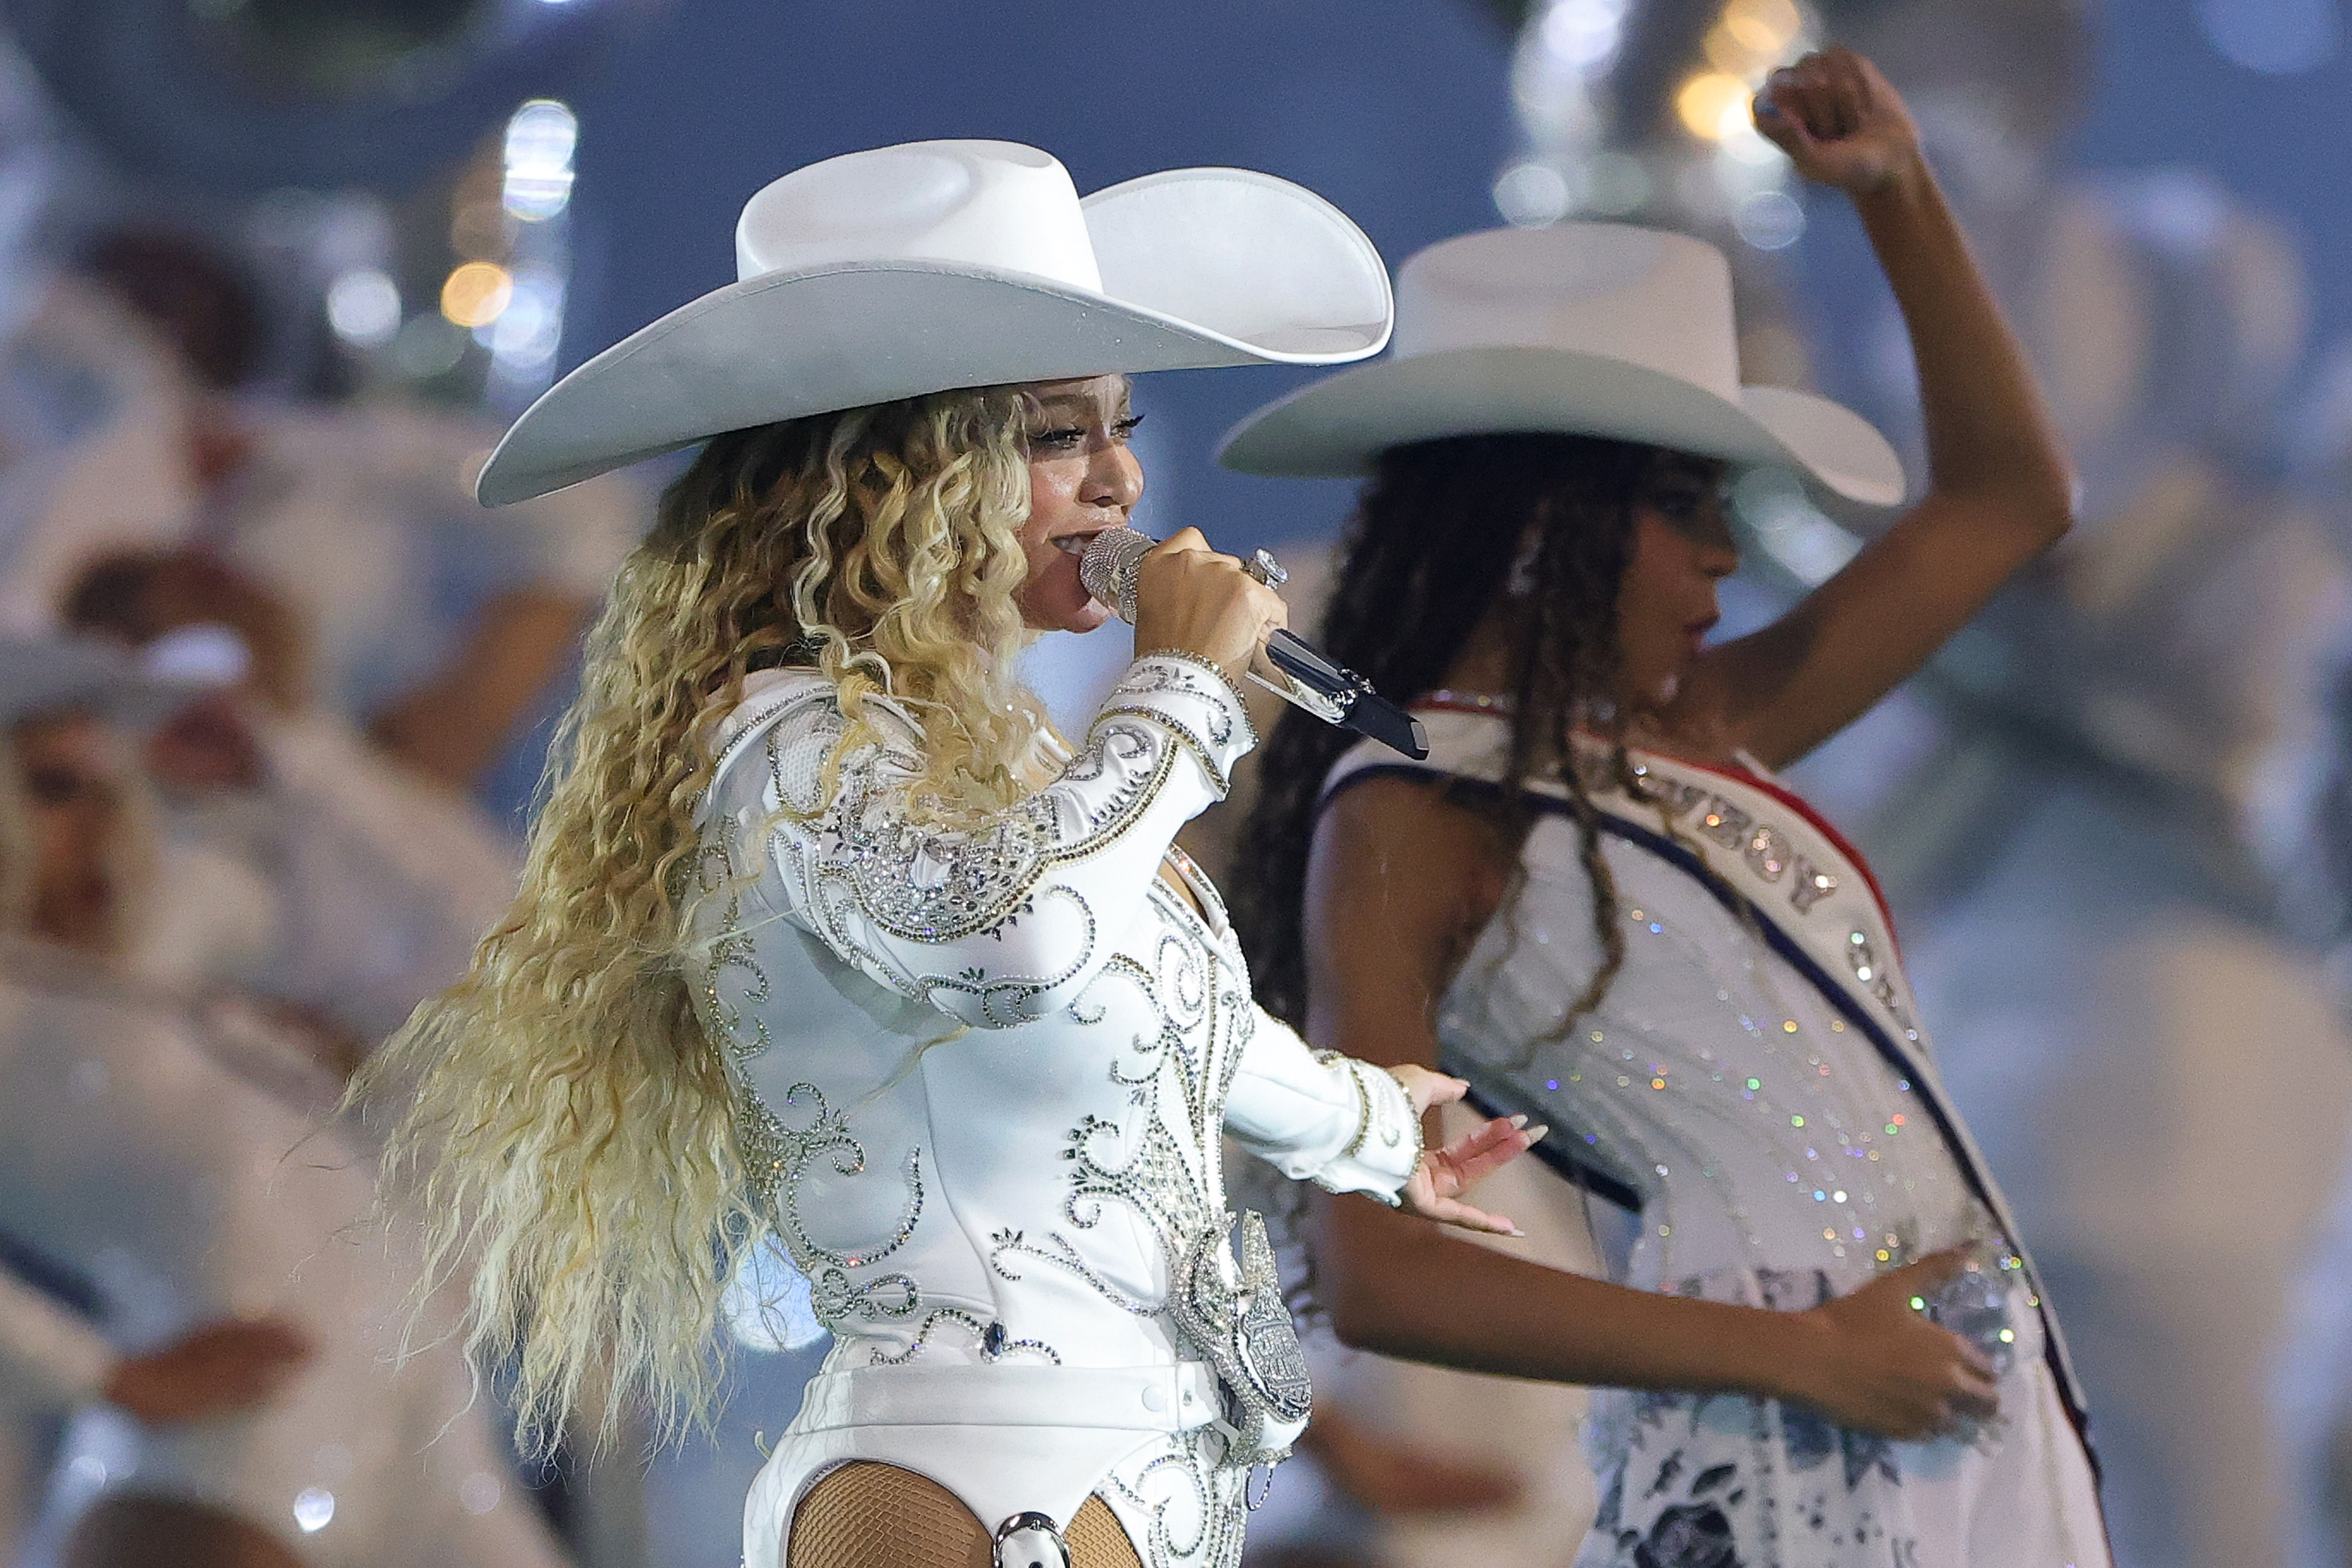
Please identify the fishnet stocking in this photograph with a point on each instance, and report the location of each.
(879, 1516)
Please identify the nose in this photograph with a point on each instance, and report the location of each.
(1716, 555)
(1114, 478)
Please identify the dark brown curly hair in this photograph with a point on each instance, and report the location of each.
(1446, 529)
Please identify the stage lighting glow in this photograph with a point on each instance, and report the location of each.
(1584, 33)
(1769, 220)
(540, 138)
(1764, 27)
(363, 307)
(2277, 37)
(476, 294)
(1712, 104)
(524, 336)
(314, 1509)
(1727, 51)
(1531, 195)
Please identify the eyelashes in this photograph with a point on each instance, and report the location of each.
(1073, 436)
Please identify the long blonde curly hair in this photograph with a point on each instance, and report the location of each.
(571, 1136)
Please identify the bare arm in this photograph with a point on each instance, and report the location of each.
(455, 726)
(1998, 485)
(1401, 881)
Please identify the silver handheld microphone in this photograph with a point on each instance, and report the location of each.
(1285, 666)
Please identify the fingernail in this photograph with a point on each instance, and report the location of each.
(1516, 1233)
(1536, 1134)
(1518, 1121)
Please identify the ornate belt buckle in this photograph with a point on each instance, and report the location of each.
(1265, 1341)
(1031, 1540)
(1235, 1315)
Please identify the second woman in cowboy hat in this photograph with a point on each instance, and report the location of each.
(826, 937)
(1596, 903)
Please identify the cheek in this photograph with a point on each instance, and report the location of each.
(1055, 599)
(1053, 496)
(1641, 603)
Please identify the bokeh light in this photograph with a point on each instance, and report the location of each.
(1713, 104)
(363, 307)
(476, 294)
(541, 137)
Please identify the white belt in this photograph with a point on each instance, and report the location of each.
(1170, 1398)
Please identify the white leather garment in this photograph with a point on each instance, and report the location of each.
(986, 1073)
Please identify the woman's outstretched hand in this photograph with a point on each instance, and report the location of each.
(1873, 1361)
(1432, 1190)
(1839, 122)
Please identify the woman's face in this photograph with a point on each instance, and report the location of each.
(1082, 480)
(72, 790)
(1666, 605)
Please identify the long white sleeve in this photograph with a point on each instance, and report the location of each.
(1005, 920)
(50, 1360)
(1343, 1124)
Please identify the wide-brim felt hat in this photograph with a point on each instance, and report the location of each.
(43, 676)
(1600, 330)
(932, 265)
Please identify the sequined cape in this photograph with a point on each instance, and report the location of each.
(985, 1073)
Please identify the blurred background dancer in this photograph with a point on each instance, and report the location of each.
(165, 1176)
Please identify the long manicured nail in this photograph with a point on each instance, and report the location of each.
(1537, 1134)
(1518, 1121)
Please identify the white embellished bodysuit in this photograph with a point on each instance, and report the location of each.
(1755, 1087)
(985, 1076)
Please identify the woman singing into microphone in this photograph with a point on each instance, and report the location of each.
(826, 937)
(1596, 903)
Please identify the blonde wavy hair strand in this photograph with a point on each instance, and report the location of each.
(570, 1139)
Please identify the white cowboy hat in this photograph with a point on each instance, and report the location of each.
(913, 270)
(41, 677)
(1588, 328)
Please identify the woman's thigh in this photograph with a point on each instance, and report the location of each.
(128, 1531)
(879, 1516)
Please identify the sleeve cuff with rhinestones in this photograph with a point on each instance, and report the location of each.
(1380, 1157)
(1195, 700)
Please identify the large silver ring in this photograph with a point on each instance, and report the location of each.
(1267, 569)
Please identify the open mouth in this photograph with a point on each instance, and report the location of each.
(1076, 544)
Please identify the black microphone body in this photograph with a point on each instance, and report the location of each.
(1287, 666)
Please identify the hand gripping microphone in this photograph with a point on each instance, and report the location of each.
(1284, 666)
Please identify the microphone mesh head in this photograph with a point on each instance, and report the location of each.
(1109, 564)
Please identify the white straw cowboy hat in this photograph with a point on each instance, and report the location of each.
(936, 265)
(1588, 328)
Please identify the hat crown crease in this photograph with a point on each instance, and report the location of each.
(1653, 299)
(993, 204)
